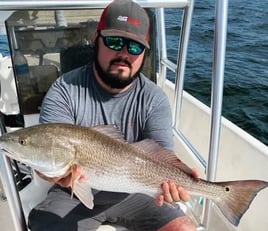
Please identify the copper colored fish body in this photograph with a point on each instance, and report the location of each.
(112, 164)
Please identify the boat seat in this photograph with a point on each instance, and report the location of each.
(41, 78)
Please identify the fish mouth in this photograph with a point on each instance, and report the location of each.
(44, 170)
(7, 152)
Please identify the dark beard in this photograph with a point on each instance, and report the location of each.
(115, 81)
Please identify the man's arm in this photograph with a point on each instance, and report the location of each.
(159, 128)
(158, 125)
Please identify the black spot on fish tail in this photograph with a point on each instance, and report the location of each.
(238, 197)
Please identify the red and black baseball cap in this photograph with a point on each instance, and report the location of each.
(126, 19)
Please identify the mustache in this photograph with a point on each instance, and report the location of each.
(119, 59)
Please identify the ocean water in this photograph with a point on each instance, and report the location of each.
(245, 99)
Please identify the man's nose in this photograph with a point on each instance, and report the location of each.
(124, 52)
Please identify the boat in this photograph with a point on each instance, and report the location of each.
(52, 35)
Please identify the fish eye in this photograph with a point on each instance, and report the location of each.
(22, 141)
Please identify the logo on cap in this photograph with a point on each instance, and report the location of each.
(128, 19)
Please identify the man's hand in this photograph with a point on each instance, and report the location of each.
(67, 179)
(173, 193)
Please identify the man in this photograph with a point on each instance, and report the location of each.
(112, 91)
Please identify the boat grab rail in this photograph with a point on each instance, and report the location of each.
(220, 34)
(217, 76)
(83, 4)
(9, 185)
(179, 69)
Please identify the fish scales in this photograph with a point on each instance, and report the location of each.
(122, 160)
(111, 160)
(117, 158)
(110, 163)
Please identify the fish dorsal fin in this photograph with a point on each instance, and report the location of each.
(110, 130)
(150, 147)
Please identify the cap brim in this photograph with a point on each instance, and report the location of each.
(113, 32)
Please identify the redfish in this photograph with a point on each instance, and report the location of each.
(111, 164)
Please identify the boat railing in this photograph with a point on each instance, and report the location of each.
(164, 65)
(217, 85)
(84, 4)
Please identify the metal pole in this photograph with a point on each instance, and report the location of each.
(181, 63)
(217, 94)
(80, 4)
(12, 194)
(162, 51)
(9, 185)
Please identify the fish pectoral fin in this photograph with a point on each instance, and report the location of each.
(83, 191)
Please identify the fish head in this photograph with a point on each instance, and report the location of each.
(45, 150)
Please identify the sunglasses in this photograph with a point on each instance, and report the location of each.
(117, 43)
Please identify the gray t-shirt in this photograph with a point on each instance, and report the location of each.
(143, 111)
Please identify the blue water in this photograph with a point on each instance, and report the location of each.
(245, 99)
(246, 75)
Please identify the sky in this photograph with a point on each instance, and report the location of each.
(3, 16)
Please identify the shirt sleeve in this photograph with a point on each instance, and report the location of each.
(158, 124)
(57, 104)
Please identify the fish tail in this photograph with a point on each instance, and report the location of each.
(238, 197)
